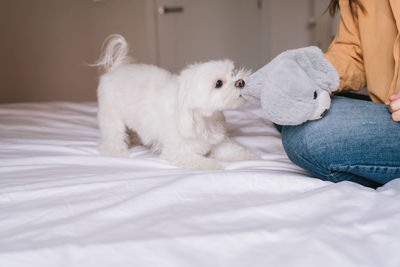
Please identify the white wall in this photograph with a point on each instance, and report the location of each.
(46, 45)
(209, 30)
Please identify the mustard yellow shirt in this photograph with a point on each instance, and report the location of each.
(366, 51)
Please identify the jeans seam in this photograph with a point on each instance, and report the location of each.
(338, 166)
(389, 169)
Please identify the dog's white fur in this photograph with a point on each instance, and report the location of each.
(179, 115)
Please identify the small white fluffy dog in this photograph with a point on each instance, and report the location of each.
(178, 115)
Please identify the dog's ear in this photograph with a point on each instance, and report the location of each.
(185, 112)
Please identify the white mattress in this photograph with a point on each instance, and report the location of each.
(62, 204)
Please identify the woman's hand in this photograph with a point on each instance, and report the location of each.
(394, 106)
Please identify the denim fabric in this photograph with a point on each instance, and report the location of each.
(356, 141)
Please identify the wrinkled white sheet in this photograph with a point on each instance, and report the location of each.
(62, 204)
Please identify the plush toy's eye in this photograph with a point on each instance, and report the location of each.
(315, 94)
(219, 84)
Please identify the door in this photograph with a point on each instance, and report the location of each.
(189, 31)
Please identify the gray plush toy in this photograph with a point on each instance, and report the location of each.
(295, 86)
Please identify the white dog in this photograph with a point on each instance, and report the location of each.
(178, 115)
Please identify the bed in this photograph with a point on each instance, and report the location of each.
(63, 204)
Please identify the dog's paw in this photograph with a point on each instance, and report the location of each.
(231, 151)
(208, 165)
(196, 162)
(114, 151)
(245, 155)
(239, 156)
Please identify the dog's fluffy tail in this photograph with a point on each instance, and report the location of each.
(115, 53)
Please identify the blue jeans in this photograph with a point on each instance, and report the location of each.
(356, 141)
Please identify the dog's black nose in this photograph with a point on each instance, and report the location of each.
(239, 83)
(324, 113)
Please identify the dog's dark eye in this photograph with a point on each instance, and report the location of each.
(219, 84)
(315, 94)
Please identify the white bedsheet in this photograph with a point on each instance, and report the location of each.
(62, 204)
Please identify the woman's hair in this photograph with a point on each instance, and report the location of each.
(334, 6)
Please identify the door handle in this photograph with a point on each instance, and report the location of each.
(169, 9)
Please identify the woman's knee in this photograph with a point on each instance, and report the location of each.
(342, 138)
(314, 155)
(318, 145)
(304, 148)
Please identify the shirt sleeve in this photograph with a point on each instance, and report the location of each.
(345, 52)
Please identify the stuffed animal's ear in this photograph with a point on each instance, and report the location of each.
(317, 67)
(185, 113)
